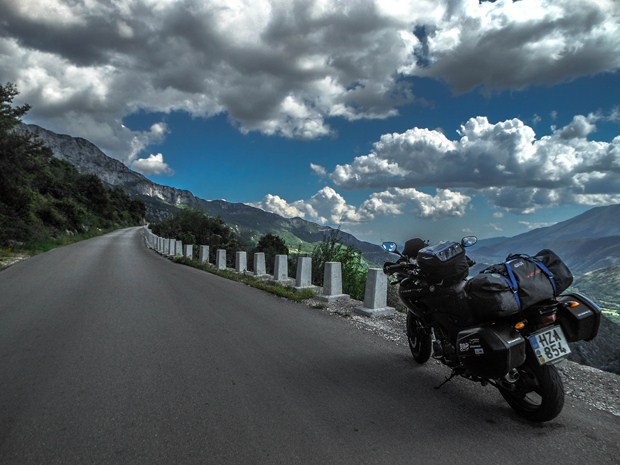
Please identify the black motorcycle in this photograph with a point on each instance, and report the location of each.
(506, 326)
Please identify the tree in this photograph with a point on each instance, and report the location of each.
(10, 116)
(354, 268)
(41, 196)
(271, 245)
(196, 227)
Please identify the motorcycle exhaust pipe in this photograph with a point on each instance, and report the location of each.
(512, 376)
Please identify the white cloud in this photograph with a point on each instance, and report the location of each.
(396, 201)
(154, 164)
(318, 169)
(329, 207)
(279, 67)
(276, 204)
(531, 225)
(326, 206)
(504, 161)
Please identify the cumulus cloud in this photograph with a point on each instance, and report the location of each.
(280, 67)
(326, 206)
(397, 201)
(153, 164)
(329, 207)
(504, 160)
(276, 204)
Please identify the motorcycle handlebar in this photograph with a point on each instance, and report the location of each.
(391, 268)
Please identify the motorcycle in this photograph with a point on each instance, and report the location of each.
(490, 328)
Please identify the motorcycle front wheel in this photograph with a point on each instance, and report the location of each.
(539, 392)
(420, 341)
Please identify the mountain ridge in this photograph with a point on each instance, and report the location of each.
(161, 201)
(586, 242)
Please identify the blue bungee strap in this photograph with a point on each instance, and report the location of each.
(512, 282)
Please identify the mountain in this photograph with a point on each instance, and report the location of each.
(586, 242)
(162, 201)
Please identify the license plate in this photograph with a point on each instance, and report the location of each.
(549, 345)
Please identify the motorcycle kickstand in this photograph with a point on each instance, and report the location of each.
(448, 379)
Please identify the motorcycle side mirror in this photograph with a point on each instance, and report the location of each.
(468, 241)
(390, 247)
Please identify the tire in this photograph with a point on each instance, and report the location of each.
(420, 340)
(539, 393)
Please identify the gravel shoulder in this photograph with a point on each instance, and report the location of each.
(598, 389)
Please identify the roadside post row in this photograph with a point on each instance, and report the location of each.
(375, 292)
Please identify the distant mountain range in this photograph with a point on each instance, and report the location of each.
(162, 201)
(586, 242)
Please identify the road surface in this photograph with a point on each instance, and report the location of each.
(111, 354)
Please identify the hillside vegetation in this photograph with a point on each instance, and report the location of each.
(43, 198)
(603, 285)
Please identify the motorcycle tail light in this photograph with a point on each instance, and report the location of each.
(549, 319)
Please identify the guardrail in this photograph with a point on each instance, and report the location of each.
(375, 293)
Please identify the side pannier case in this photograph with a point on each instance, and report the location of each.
(444, 263)
(490, 352)
(580, 320)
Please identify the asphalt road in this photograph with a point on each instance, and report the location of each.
(111, 354)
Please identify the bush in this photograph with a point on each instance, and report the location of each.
(354, 268)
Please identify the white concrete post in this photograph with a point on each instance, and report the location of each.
(203, 255)
(332, 283)
(280, 268)
(259, 264)
(171, 246)
(304, 273)
(188, 251)
(241, 262)
(375, 295)
(220, 259)
(179, 249)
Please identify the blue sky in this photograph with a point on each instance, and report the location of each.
(391, 119)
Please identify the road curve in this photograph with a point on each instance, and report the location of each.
(111, 354)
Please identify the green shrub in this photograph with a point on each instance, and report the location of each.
(354, 268)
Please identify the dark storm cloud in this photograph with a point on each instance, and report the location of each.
(514, 45)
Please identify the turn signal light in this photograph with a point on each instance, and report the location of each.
(520, 325)
(573, 304)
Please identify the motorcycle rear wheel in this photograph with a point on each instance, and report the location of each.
(539, 393)
(420, 341)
